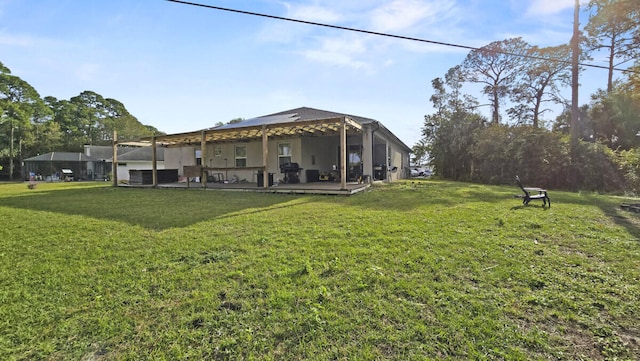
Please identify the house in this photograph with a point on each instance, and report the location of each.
(298, 145)
(128, 158)
(94, 164)
(56, 166)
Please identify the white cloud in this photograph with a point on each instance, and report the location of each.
(400, 15)
(543, 37)
(313, 13)
(16, 40)
(342, 51)
(550, 7)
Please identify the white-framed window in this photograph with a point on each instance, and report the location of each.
(198, 157)
(284, 153)
(240, 152)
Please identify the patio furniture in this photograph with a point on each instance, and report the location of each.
(291, 172)
(531, 193)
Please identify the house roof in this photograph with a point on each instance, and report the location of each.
(105, 152)
(62, 157)
(306, 113)
(288, 123)
(302, 121)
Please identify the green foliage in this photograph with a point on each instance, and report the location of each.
(30, 125)
(629, 164)
(495, 154)
(461, 148)
(409, 271)
(615, 27)
(598, 168)
(496, 68)
(20, 108)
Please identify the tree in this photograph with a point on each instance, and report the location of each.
(232, 121)
(448, 133)
(615, 118)
(543, 74)
(118, 117)
(64, 115)
(89, 115)
(496, 66)
(90, 118)
(615, 28)
(19, 103)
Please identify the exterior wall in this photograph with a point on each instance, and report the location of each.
(177, 158)
(125, 166)
(395, 167)
(319, 153)
(311, 153)
(393, 156)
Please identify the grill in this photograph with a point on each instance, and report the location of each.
(291, 172)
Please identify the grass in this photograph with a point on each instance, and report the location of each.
(409, 271)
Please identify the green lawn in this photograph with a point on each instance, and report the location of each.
(408, 271)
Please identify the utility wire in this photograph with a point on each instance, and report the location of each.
(387, 34)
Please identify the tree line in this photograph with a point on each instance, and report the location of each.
(31, 125)
(522, 82)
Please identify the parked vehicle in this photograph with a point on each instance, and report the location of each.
(420, 172)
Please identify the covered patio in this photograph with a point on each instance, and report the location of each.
(261, 129)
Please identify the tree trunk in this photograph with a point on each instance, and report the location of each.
(11, 151)
(611, 55)
(496, 108)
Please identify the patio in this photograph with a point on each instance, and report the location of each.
(326, 188)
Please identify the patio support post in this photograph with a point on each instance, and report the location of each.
(367, 153)
(265, 157)
(114, 160)
(203, 159)
(343, 154)
(154, 163)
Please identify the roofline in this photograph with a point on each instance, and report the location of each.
(389, 133)
(254, 131)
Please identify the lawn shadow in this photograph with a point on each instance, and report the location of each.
(147, 207)
(629, 220)
(609, 205)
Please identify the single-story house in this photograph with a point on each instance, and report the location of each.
(50, 166)
(298, 145)
(94, 164)
(128, 158)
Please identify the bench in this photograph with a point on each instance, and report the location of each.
(531, 193)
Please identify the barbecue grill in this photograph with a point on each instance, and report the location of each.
(291, 172)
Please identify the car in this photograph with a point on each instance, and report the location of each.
(420, 172)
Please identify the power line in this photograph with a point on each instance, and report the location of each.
(369, 32)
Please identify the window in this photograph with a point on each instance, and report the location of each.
(241, 156)
(198, 157)
(217, 151)
(284, 153)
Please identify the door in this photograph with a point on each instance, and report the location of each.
(354, 165)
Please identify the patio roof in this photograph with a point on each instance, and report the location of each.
(274, 125)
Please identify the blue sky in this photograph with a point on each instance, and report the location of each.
(181, 68)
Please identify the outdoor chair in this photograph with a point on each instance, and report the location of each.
(531, 193)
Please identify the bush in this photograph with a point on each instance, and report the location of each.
(597, 168)
(496, 154)
(629, 166)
